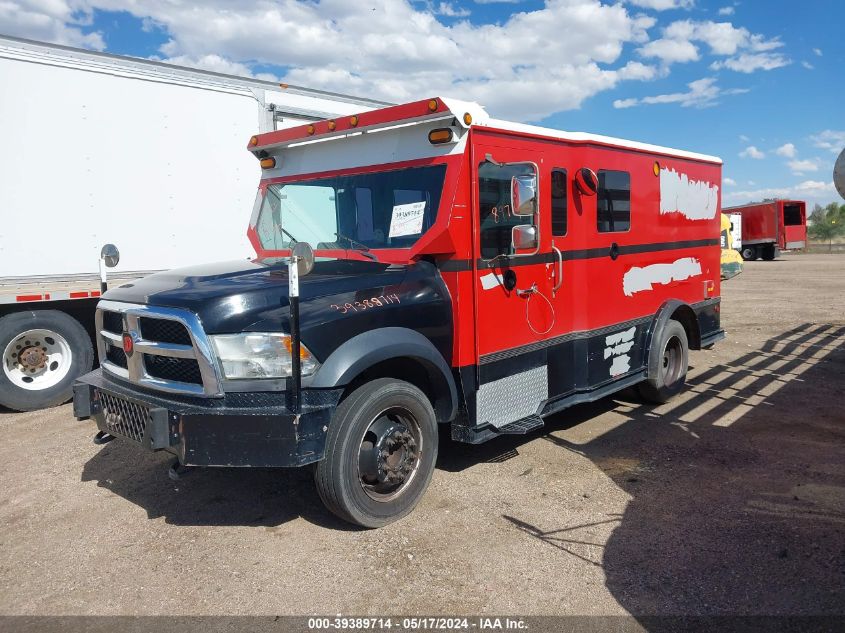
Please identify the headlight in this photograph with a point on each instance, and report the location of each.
(259, 355)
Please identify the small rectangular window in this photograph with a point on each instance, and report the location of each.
(614, 201)
(792, 215)
(559, 209)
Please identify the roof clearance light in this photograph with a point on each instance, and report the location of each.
(253, 141)
(311, 129)
(268, 163)
(353, 120)
(332, 126)
(440, 135)
(467, 118)
(656, 168)
(432, 105)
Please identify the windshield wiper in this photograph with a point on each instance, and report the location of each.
(361, 247)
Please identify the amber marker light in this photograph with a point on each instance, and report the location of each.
(332, 126)
(656, 168)
(432, 105)
(353, 120)
(253, 141)
(311, 130)
(467, 118)
(268, 163)
(440, 135)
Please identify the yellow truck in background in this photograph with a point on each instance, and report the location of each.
(731, 261)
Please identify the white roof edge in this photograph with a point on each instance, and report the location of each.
(34, 50)
(586, 137)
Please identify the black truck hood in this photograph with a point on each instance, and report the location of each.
(245, 295)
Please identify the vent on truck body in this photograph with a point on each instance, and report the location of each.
(170, 351)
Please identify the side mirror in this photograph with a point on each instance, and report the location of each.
(524, 195)
(110, 255)
(304, 258)
(524, 237)
(587, 181)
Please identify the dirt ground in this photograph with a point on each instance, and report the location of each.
(729, 500)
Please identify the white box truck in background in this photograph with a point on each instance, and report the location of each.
(96, 149)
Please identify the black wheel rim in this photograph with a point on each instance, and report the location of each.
(672, 368)
(389, 454)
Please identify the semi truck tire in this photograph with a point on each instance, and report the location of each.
(44, 352)
(749, 253)
(668, 360)
(770, 252)
(381, 447)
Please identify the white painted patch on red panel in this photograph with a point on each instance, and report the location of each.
(617, 346)
(490, 281)
(640, 278)
(694, 199)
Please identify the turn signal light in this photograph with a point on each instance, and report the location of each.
(253, 141)
(440, 135)
(332, 126)
(467, 118)
(353, 120)
(432, 105)
(656, 168)
(268, 163)
(311, 130)
(303, 353)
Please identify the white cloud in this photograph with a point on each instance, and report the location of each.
(752, 152)
(730, 182)
(726, 11)
(802, 166)
(749, 62)
(218, 64)
(50, 21)
(702, 93)
(807, 65)
(744, 138)
(529, 66)
(787, 150)
(449, 10)
(818, 51)
(811, 191)
(831, 140)
(663, 5)
(746, 51)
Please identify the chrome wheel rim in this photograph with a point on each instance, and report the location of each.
(389, 454)
(37, 359)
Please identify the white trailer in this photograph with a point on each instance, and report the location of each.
(97, 148)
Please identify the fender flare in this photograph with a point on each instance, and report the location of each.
(664, 314)
(375, 346)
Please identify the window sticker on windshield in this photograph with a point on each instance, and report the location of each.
(407, 219)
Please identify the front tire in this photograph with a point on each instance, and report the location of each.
(44, 352)
(381, 447)
(667, 365)
(749, 253)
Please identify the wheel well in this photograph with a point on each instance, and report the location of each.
(416, 371)
(686, 317)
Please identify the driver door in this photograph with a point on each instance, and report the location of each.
(514, 280)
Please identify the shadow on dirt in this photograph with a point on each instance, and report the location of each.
(737, 492)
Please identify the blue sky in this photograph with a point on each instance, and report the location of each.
(759, 83)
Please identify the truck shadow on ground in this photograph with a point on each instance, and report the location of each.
(737, 491)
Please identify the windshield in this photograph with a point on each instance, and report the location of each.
(389, 209)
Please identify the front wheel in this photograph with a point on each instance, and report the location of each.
(667, 365)
(749, 253)
(44, 352)
(381, 447)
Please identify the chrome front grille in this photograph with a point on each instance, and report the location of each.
(170, 350)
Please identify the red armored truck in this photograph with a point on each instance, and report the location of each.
(461, 275)
(769, 227)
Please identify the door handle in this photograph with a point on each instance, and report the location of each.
(559, 275)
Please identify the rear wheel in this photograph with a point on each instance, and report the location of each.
(667, 365)
(44, 352)
(381, 448)
(749, 253)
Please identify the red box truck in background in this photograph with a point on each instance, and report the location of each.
(769, 227)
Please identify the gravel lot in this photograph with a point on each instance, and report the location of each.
(729, 500)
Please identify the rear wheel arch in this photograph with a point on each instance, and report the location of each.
(674, 310)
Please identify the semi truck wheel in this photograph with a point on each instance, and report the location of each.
(749, 253)
(381, 447)
(667, 365)
(44, 352)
